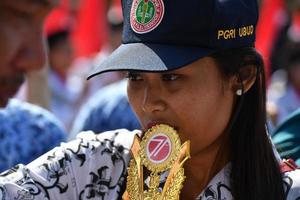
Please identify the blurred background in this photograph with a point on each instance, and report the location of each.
(79, 34)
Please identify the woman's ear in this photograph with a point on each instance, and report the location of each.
(245, 79)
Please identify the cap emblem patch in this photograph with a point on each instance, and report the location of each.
(146, 15)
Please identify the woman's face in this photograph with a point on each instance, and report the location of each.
(195, 100)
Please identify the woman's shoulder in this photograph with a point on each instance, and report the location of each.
(291, 181)
(119, 137)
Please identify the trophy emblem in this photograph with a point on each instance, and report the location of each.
(158, 154)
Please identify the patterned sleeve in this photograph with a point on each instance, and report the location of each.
(91, 167)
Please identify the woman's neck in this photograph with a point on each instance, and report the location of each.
(201, 168)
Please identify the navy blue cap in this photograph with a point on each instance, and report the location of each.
(161, 35)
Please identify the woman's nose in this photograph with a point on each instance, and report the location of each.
(153, 101)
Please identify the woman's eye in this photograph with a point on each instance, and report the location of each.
(170, 77)
(132, 76)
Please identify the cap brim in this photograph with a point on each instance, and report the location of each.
(149, 57)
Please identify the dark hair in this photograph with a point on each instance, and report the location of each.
(57, 37)
(255, 173)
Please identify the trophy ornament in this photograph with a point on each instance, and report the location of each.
(159, 152)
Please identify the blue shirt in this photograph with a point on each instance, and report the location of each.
(26, 132)
(107, 109)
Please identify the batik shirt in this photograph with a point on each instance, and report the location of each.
(26, 132)
(94, 167)
(219, 186)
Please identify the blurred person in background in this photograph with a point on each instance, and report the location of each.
(290, 100)
(66, 90)
(67, 83)
(279, 26)
(286, 135)
(284, 90)
(26, 131)
(82, 66)
(108, 107)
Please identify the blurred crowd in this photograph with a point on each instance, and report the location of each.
(81, 33)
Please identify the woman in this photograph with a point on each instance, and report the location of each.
(235, 122)
(197, 72)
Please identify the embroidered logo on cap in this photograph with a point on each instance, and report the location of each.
(146, 15)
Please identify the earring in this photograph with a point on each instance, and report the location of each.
(239, 92)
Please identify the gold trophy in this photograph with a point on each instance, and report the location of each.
(159, 154)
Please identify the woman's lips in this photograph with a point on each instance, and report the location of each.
(151, 124)
(154, 123)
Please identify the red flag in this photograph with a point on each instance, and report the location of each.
(272, 18)
(87, 21)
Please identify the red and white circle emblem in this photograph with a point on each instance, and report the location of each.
(159, 148)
